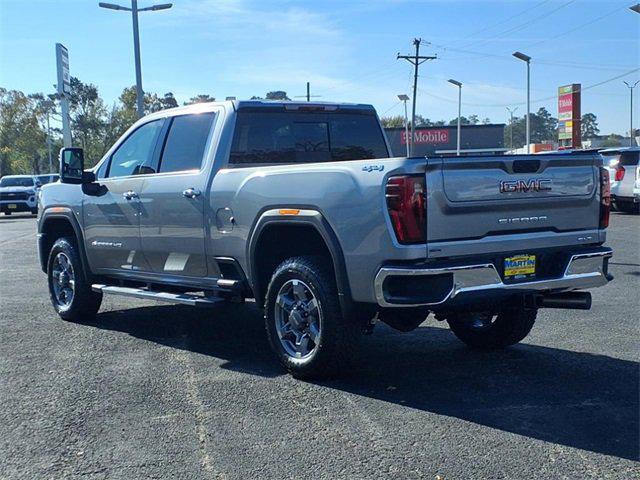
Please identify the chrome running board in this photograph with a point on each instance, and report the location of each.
(182, 298)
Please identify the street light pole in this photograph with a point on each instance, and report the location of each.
(136, 53)
(527, 59)
(459, 85)
(511, 112)
(403, 97)
(136, 43)
(631, 131)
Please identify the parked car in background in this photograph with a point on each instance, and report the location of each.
(18, 193)
(624, 170)
(48, 178)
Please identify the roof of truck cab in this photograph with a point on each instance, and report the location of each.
(620, 150)
(267, 104)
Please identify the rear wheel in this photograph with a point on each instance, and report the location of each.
(304, 320)
(70, 293)
(485, 330)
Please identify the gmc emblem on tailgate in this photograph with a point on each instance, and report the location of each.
(523, 186)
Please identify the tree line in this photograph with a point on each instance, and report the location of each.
(543, 126)
(95, 126)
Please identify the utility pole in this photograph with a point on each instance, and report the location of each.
(511, 112)
(136, 43)
(631, 131)
(415, 60)
(308, 96)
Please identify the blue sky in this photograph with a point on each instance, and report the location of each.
(345, 48)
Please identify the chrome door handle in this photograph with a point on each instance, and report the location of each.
(191, 193)
(129, 195)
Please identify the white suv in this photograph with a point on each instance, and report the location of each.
(624, 170)
(18, 193)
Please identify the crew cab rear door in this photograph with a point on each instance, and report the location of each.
(474, 202)
(172, 201)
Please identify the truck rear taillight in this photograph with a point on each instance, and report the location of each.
(406, 202)
(605, 197)
(619, 173)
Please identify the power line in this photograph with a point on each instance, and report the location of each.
(522, 26)
(546, 39)
(538, 100)
(502, 22)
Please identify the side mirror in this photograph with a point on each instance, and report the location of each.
(72, 165)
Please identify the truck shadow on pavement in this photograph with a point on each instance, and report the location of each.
(574, 399)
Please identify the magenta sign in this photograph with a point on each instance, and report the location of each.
(427, 137)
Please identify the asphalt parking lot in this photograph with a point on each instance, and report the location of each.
(160, 391)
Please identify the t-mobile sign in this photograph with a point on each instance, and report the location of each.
(428, 137)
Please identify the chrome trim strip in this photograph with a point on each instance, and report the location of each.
(584, 270)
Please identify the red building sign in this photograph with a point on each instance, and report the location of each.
(428, 136)
(569, 116)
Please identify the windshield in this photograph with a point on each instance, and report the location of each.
(16, 182)
(44, 179)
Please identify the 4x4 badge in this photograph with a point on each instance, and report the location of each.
(371, 168)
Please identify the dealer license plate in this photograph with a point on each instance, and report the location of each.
(12, 206)
(520, 266)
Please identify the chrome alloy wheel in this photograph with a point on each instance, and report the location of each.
(63, 280)
(298, 318)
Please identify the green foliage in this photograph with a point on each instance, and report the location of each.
(277, 95)
(22, 140)
(544, 128)
(202, 98)
(589, 125)
(612, 140)
(392, 122)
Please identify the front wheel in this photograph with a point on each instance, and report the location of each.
(304, 321)
(485, 330)
(70, 293)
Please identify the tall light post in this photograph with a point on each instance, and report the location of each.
(136, 42)
(459, 85)
(527, 59)
(631, 131)
(405, 98)
(511, 112)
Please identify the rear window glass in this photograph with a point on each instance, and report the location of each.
(16, 182)
(186, 141)
(626, 159)
(305, 137)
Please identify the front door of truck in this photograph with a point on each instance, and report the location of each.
(172, 202)
(112, 214)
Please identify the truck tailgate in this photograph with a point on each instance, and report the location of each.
(501, 203)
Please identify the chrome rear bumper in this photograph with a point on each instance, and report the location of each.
(585, 270)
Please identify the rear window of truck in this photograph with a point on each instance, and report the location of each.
(305, 137)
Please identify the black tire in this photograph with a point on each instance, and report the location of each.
(507, 328)
(628, 207)
(7, 213)
(84, 303)
(338, 336)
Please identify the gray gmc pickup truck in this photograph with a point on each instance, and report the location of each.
(302, 207)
